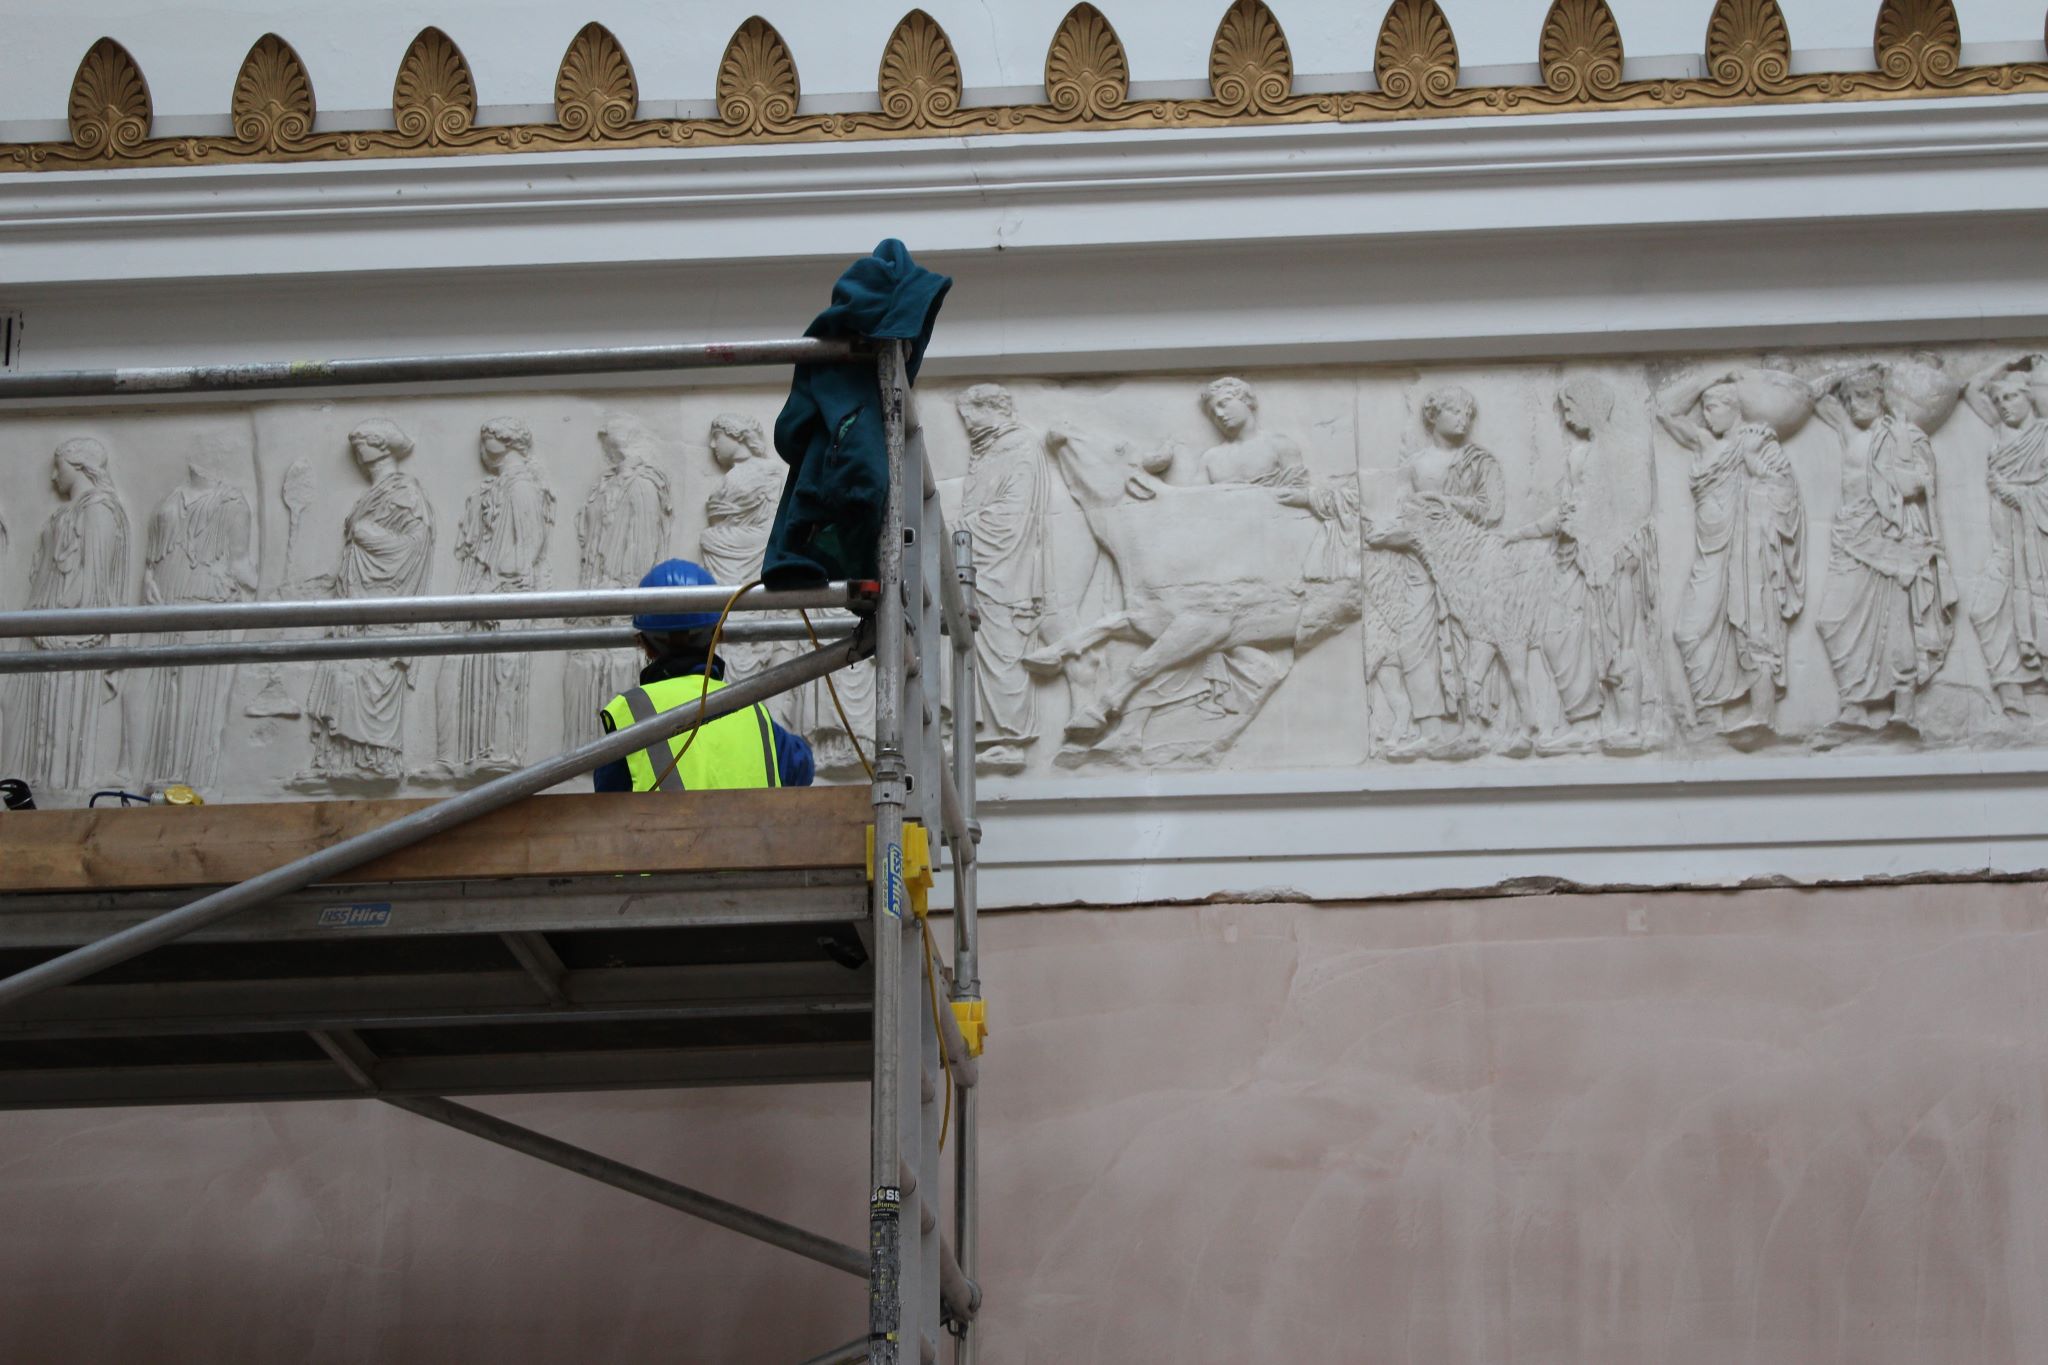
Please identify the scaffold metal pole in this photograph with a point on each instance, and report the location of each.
(425, 369)
(886, 1310)
(966, 961)
(412, 611)
(110, 658)
(631, 1179)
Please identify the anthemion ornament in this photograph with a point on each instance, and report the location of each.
(921, 91)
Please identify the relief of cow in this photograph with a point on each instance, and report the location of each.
(1210, 574)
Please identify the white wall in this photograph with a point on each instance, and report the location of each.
(1770, 1127)
(190, 54)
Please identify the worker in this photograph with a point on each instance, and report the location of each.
(743, 749)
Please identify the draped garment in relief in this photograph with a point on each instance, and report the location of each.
(2013, 622)
(623, 529)
(1571, 642)
(358, 705)
(1003, 507)
(52, 723)
(199, 541)
(1476, 488)
(1748, 577)
(1886, 614)
(738, 516)
(502, 547)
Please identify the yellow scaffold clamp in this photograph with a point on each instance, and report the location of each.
(911, 880)
(973, 1018)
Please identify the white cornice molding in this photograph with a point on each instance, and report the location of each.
(1434, 178)
(1359, 834)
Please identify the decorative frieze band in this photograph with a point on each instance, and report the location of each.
(1615, 564)
(1748, 60)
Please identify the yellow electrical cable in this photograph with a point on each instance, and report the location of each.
(931, 975)
(931, 980)
(704, 694)
(858, 752)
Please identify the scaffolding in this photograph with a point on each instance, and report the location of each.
(487, 943)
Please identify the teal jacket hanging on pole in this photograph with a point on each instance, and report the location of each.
(830, 431)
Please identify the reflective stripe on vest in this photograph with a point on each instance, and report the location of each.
(736, 750)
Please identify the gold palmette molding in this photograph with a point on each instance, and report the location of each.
(1748, 57)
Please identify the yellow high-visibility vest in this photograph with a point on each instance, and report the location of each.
(736, 750)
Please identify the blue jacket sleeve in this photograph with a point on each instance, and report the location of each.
(792, 757)
(612, 777)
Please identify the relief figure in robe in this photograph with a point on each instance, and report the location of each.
(622, 531)
(1465, 478)
(1748, 576)
(502, 545)
(2012, 620)
(1600, 631)
(1003, 508)
(1887, 612)
(81, 560)
(737, 516)
(199, 549)
(357, 706)
(741, 508)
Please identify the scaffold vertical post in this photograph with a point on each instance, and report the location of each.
(887, 1320)
(966, 961)
(966, 965)
(920, 490)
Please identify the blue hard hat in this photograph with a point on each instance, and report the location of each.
(676, 573)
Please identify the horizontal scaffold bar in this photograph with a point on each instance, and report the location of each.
(111, 657)
(424, 369)
(402, 611)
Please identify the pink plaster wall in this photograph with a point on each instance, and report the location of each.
(1762, 1127)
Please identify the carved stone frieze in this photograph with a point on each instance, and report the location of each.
(1916, 49)
(1507, 563)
